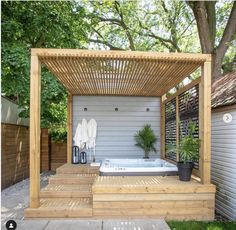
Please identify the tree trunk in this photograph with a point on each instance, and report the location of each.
(204, 13)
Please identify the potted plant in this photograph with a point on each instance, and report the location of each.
(146, 139)
(188, 149)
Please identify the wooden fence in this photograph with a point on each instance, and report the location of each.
(58, 155)
(15, 153)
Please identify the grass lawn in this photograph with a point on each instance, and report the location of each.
(202, 225)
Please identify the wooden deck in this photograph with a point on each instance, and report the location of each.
(153, 196)
(78, 191)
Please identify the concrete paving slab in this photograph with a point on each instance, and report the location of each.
(135, 224)
(74, 225)
(31, 224)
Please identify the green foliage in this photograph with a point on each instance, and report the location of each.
(202, 225)
(33, 24)
(188, 147)
(146, 139)
(166, 26)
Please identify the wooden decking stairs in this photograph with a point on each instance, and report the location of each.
(68, 194)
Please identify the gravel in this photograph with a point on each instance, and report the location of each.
(16, 198)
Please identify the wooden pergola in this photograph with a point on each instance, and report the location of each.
(117, 73)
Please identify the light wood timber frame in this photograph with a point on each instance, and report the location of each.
(69, 127)
(205, 123)
(176, 97)
(177, 126)
(35, 88)
(84, 72)
(163, 144)
(120, 73)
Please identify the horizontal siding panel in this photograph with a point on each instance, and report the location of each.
(225, 210)
(223, 165)
(116, 129)
(219, 177)
(119, 114)
(218, 144)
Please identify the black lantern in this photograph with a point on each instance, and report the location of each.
(75, 155)
(83, 157)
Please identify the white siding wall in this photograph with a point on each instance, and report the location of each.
(10, 113)
(115, 133)
(224, 163)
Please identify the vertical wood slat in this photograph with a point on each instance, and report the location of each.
(69, 128)
(177, 126)
(35, 91)
(163, 144)
(205, 123)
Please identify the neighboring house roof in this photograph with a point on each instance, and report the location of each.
(224, 90)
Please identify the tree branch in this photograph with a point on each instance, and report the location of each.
(168, 43)
(227, 37)
(124, 26)
(105, 43)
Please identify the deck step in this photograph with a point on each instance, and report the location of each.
(76, 169)
(77, 179)
(61, 208)
(66, 191)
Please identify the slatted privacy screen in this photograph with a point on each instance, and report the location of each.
(170, 127)
(188, 111)
(179, 111)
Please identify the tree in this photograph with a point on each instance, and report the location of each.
(206, 18)
(141, 25)
(36, 24)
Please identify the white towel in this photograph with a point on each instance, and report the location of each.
(78, 136)
(92, 133)
(84, 133)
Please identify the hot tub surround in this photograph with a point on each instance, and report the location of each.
(137, 167)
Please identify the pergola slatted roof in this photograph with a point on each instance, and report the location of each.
(84, 72)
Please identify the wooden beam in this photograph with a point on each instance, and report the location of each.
(177, 126)
(42, 52)
(35, 91)
(163, 125)
(205, 123)
(69, 128)
(183, 89)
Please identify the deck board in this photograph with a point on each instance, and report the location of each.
(78, 192)
(148, 184)
(66, 191)
(62, 208)
(152, 196)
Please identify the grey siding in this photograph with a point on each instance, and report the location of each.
(224, 163)
(116, 129)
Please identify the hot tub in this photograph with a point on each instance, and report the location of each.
(137, 167)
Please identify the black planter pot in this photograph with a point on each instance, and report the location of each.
(185, 170)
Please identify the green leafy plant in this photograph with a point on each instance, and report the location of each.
(188, 146)
(146, 139)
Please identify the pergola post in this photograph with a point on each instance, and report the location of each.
(205, 123)
(69, 127)
(35, 91)
(163, 123)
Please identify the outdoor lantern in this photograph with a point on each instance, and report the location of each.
(83, 157)
(75, 155)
